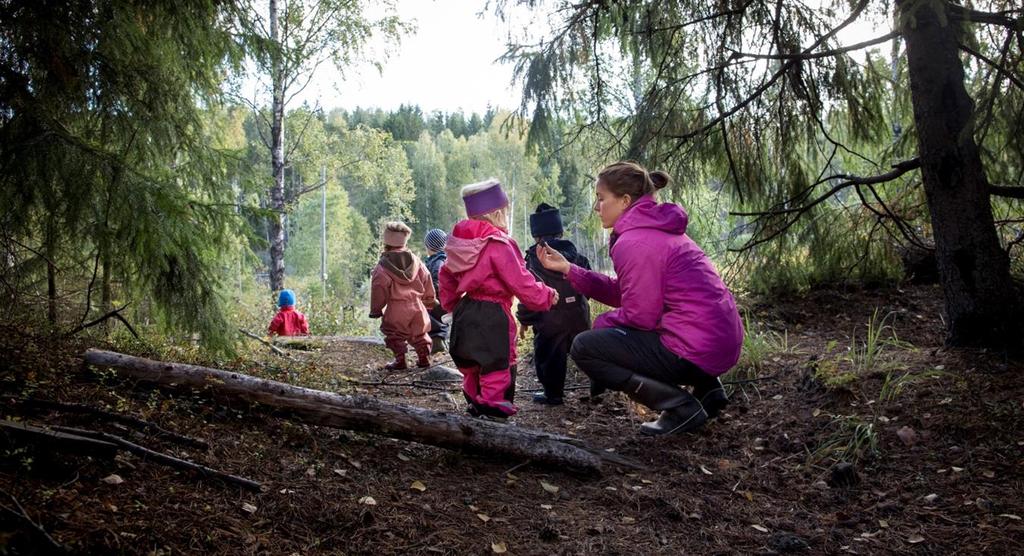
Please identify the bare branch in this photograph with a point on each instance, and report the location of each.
(1007, 191)
(815, 55)
(792, 215)
(995, 65)
(995, 18)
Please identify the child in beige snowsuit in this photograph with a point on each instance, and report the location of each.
(402, 292)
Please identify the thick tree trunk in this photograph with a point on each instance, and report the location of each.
(367, 414)
(277, 204)
(981, 301)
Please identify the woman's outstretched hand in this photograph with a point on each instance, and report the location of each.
(552, 260)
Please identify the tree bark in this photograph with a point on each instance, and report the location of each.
(51, 275)
(277, 205)
(106, 297)
(981, 301)
(367, 414)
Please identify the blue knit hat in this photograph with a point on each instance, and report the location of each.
(286, 298)
(546, 221)
(436, 240)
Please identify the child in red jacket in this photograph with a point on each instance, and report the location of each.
(288, 321)
(483, 272)
(401, 283)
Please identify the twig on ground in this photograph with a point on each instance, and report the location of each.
(273, 348)
(19, 512)
(134, 422)
(115, 314)
(165, 459)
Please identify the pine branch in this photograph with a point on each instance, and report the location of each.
(785, 67)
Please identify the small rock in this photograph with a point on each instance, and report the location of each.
(440, 373)
(907, 435)
(787, 542)
(931, 498)
(112, 479)
(843, 475)
(822, 485)
(985, 505)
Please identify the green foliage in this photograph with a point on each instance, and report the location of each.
(107, 155)
(852, 439)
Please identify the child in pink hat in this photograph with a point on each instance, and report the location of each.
(483, 273)
(401, 292)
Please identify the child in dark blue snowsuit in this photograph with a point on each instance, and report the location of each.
(553, 330)
(435, 241)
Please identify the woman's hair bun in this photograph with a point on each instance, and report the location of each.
(660, 179)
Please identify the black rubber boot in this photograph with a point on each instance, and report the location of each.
(545, 399)
(712, 396)
(680, 411)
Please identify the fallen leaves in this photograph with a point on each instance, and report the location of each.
(498, 548)
(368, 501)
(248, 508)
(549, 487)
(760, 528)
(112, 479)
(418, 485)
(915, 538)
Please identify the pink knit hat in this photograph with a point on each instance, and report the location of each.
(396, 234)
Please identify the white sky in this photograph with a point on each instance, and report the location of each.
(450, 61)
(447, 64)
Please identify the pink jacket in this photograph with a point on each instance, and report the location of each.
(289, 322)
(401, 283)
(667, 284)
(484, 263)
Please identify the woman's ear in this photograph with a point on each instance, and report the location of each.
(628, 199)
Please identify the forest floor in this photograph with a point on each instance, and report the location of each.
(934, 436)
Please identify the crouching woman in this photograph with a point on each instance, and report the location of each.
(675, 322)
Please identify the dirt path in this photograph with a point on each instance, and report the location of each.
(755, 481)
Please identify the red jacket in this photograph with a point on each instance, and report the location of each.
(289, 322)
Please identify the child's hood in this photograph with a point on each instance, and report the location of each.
(399, 264)
(647, 213)
(467, 241)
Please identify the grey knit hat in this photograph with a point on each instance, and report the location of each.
(435, 240)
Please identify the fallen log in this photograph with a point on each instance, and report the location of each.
(370, 415)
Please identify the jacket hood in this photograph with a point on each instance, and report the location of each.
(467, 241)
(648, 213)
(400, 264)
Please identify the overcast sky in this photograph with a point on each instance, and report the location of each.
(447, 64)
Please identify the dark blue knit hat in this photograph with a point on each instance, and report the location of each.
(436, 240)
(286, 298)
(546, 221)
